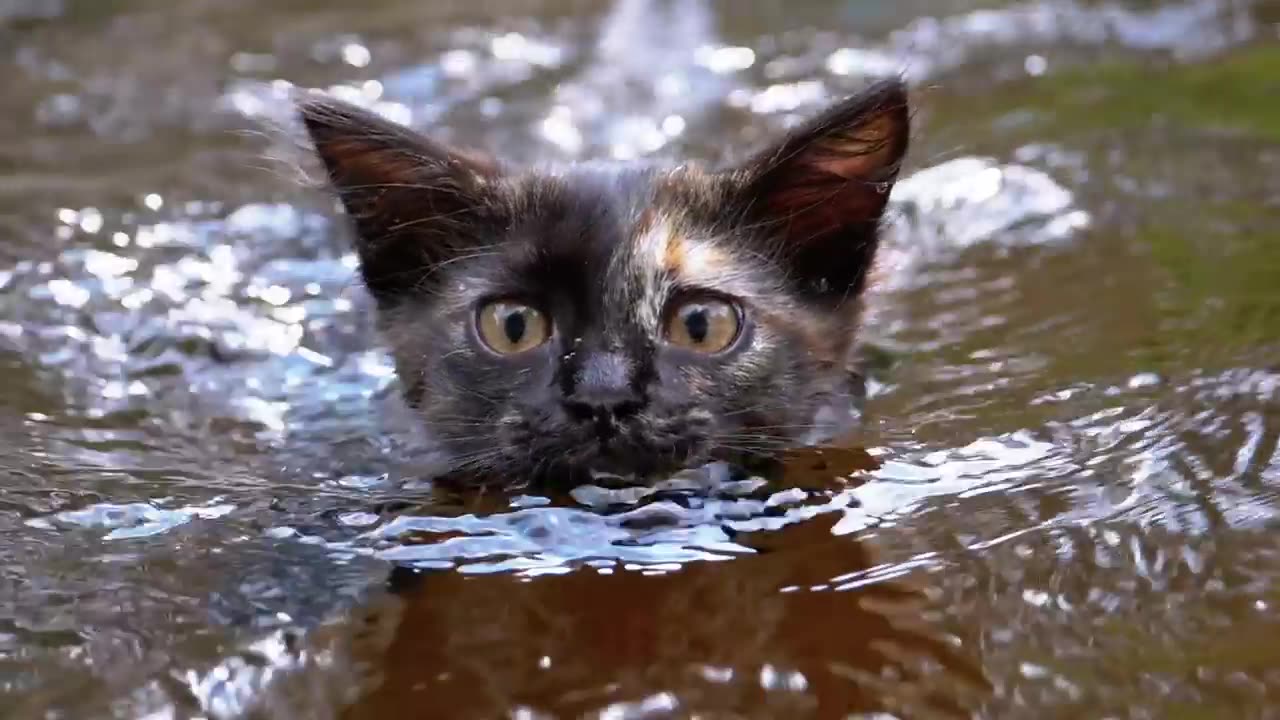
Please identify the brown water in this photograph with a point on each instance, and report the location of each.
(1070, 493)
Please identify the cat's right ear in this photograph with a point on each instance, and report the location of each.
(414, 202)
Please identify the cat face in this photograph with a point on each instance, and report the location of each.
(625, 319)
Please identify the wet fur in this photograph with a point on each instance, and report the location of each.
(603, 249)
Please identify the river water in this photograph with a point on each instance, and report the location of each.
(1062, 501)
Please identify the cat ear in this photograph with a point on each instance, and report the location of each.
(823, 189)
(414, 202)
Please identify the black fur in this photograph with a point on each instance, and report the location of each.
(605, 251)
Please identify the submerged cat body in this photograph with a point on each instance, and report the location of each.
(624, 318)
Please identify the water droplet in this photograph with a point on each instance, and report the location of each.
(276, 295)
(862, 62)
(358, 519)
(356, 55)
(1143, 380)
(559, 129)
(723, 60)
(66, 292)
(458, 63)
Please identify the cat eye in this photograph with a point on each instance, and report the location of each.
(510, 327)
(707, 325)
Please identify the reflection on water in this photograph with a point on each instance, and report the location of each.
(769, 631)
(212, 498)
(768, 636)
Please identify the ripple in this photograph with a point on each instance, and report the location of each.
(132, 520)
(943, 210)
(184, 321)
(690, 518)
(194, 386)
(929, 46)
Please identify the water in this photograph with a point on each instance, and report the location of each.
(1062, 499)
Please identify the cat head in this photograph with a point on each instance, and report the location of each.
(622, 318)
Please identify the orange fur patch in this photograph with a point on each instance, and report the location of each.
(673, 259)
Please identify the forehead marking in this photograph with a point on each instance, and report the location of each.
(673, 255)
(669, 251)
(638, 278)
(654, 240)
(705, 262)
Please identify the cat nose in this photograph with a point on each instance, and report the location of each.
(602, 407)
(602, 391)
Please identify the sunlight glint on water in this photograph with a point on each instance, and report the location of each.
(206, 450)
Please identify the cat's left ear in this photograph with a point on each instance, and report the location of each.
(824, 188)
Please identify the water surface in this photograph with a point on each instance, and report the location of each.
(1062, 500)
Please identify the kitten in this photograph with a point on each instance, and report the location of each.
(624, 318)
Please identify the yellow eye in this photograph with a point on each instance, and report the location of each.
(707, 325)
(509, 327)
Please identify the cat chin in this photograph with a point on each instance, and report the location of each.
(559, 463)
(520, 456)
(638, 463)
(535, 444)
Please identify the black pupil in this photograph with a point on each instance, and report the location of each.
(514, 326)
(696, 323)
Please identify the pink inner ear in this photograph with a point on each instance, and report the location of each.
(863, 152)
(825, 203)
(362, 149)
(357, 163)
(839, 180)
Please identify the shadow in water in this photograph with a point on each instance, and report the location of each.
(763, 633)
